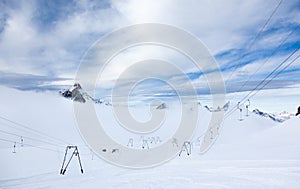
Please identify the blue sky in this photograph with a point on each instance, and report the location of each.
(42, 42)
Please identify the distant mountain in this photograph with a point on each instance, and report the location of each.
(162, 106)
(277, 117)
(76, 93)
(218, 109)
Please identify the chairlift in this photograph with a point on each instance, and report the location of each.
(241, 112)
(247, 107)
(15, 144)
(22, 141)
(175, 142)
(145, 144)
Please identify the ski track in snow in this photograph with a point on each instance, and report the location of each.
(182, 173)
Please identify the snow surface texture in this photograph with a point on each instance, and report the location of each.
(253, 153)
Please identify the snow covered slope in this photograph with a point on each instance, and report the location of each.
(253, 153)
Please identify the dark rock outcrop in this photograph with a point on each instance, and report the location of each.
(298, 113)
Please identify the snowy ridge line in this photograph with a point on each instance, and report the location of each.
(249, 47)
(30, 138)
(33, 130)
(254, 91)
(29, 145)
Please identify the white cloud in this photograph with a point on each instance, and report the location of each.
(223, 26)
(26, 48)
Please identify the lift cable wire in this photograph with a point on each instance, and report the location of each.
(17, 125)
(255, 38)
(39, 147)
(30, 138)
(254, 91)
(278, 47)
(269, 75)
(288, 65)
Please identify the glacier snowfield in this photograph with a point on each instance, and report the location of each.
(254, 153)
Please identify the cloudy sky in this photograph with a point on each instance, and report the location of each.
(43, 42)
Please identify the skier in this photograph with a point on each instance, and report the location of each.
(298, 111)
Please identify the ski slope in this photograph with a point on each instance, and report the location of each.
(253, 153)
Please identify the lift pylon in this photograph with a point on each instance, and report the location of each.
(75, 152)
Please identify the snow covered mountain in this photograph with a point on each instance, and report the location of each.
(162, 106)
(76, 93)
(224, 108)
(277, 117)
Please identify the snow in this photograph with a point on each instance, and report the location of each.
(253, 153)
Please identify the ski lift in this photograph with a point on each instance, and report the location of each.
(15, 144)
(247, 107)
(187, 146)
(22, 141)
(198, 140)
(157, 139)
(152, 140)
(241, 112)
(145, 144)
(130, 142)
(74, 153)
(175, 142)
(218, 129)
(211, 133)
(92, 153)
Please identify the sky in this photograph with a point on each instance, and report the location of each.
(43, 42)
